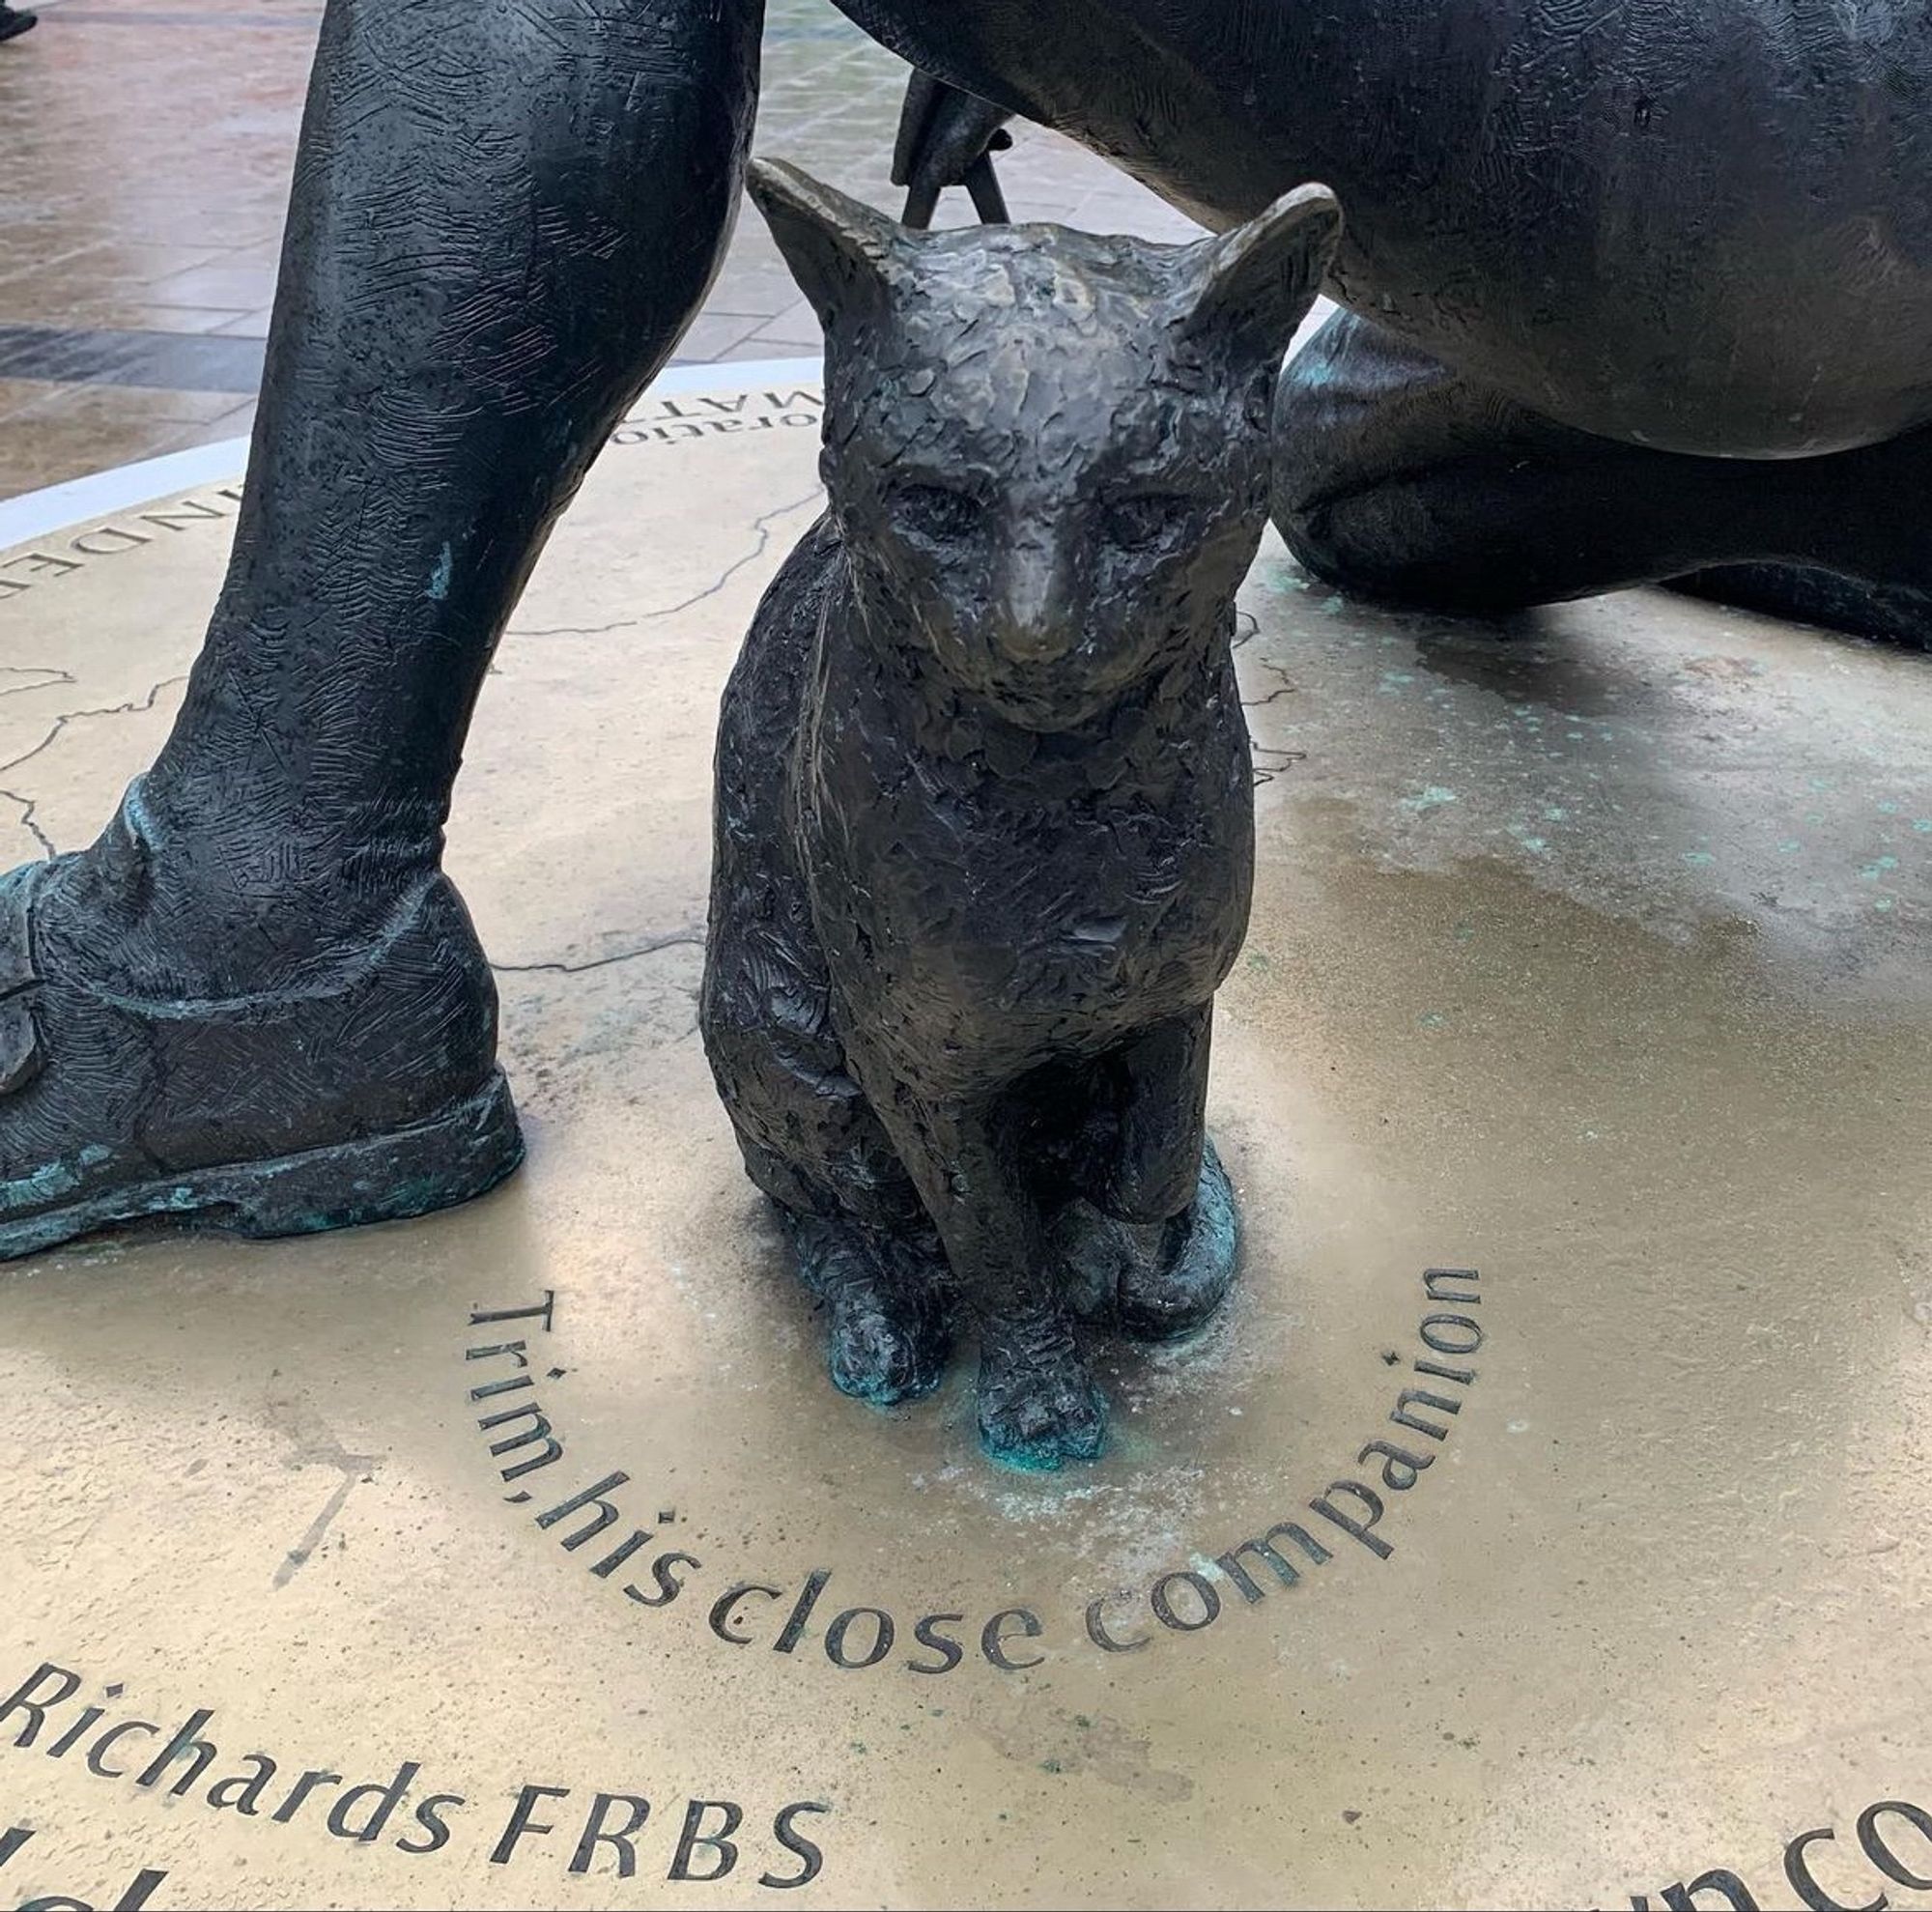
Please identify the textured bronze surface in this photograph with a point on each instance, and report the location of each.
(985, 832)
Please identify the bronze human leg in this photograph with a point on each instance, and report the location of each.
(255, 999)
(1400, 480)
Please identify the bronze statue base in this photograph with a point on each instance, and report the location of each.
(1569, 1084)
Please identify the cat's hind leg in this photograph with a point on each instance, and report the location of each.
(888, 1331)
(858, 1236)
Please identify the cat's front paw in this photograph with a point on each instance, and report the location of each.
(1155, 1281)
(1038, 1407)
(1172, 1291)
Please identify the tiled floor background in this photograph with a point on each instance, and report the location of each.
(145, 147)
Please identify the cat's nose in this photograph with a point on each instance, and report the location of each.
(1034, 620)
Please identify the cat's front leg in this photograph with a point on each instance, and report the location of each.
(1038, 1407)
(1160, 1255)
(1161, 1077)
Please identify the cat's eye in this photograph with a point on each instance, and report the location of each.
(1141, 518)
(936, 512)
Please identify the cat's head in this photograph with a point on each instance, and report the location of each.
(1047, 452)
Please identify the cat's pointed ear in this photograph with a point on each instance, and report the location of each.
(1256, 283)
(840, 251)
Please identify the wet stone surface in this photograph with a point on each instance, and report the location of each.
(149, 150)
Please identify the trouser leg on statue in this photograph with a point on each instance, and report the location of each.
(256, 1000)
(1398, 480)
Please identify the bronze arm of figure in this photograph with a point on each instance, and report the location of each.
(1631, 292)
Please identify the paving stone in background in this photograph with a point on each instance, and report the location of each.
(146, 175)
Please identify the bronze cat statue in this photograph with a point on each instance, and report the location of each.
(985, 809)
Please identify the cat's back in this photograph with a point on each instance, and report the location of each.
(764, 696)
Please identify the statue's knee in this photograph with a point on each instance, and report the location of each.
(1309, 439)
(1369, 447)
(1387, 542)
(1322, 488)
(1344, 540)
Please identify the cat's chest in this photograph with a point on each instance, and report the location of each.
(1050, 897)
(1007, 866)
